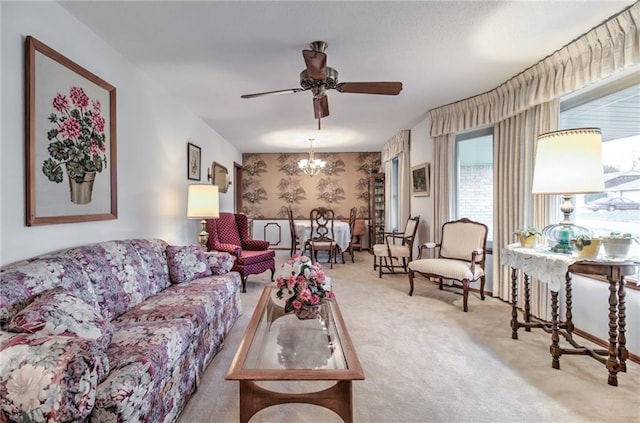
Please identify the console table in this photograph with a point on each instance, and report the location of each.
(556, 270)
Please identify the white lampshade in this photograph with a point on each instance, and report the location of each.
(568, 162)
(203, 202)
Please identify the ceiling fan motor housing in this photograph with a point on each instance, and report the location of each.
(330, 82)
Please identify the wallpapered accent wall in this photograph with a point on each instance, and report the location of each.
(272, 182)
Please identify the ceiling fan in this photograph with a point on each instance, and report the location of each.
(318, 77)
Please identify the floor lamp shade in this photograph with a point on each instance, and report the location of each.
(568, 162)
(203, 203)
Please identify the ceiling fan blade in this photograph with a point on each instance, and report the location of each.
(320, 107)
(290, 90)
(386, 88)
(316, 64)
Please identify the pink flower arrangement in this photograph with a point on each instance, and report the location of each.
(77, 140)
(305, 282)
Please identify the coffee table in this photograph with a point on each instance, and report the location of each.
(277, 346)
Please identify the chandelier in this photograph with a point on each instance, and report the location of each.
(311, 166)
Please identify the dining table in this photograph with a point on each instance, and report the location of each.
(341, 232)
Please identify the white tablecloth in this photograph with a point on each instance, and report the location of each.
(546, 266)
(340, 229)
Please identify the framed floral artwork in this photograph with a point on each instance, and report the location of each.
(70, 140)
(193, 162)
(420, 180)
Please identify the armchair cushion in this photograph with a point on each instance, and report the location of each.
(447, 268)
(187, 263)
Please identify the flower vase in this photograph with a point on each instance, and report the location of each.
(81, 192)
(308, 312)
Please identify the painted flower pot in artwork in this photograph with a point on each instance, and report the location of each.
(81, 192)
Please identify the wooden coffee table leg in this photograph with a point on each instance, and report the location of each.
(337, 398)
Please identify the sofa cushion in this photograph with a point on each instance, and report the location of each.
(142, 356)
(153, 254)
(187, 263)
(117, 272)
(220, 262)
(59, 312)
(50, 378)
(22, 281)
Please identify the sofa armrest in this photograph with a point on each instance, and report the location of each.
(255, 244)
(49, 378)
(220, 262)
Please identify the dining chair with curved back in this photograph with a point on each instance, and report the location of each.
(396, 255)
(322, 233)
(461, 256)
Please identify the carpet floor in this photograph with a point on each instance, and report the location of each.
(425, 360)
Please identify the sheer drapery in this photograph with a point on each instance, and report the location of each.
(397, 146)
(442, 182)
(608, 48)
(514, 151)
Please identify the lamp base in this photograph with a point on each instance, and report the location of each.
(561, 234)
(203, 238)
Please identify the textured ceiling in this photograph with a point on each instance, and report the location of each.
(209, 53)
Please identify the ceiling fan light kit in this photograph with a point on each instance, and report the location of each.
(318, 77)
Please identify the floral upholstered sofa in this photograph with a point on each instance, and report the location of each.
(113, 331)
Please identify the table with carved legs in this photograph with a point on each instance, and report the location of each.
(557, 270)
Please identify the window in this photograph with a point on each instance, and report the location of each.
(614, 108)
(474, 177)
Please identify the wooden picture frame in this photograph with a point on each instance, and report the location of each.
(421, 180)
(220, 177)
(71, 166)
(194, 161)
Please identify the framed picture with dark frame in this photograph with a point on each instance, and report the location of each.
(420, 180)
(71, 169)
(194, 161)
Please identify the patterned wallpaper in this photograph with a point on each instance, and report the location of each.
(272, 182)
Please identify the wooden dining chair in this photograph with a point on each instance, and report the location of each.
(352, 228)
(295, 239)
(322, 234)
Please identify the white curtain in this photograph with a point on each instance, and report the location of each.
(520, 108)
(442, 183)
(397, 146)
(608, 48)
(514, 143)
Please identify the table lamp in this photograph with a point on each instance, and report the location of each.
(568, 162)
(203, 204)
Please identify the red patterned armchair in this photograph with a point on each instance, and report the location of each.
(230, 233)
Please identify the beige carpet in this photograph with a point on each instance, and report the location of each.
(427, 361)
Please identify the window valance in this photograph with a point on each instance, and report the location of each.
(608, 48)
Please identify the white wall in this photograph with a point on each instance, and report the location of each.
(153, 131)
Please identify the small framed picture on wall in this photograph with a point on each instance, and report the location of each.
(193, 162)
(420, 180)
